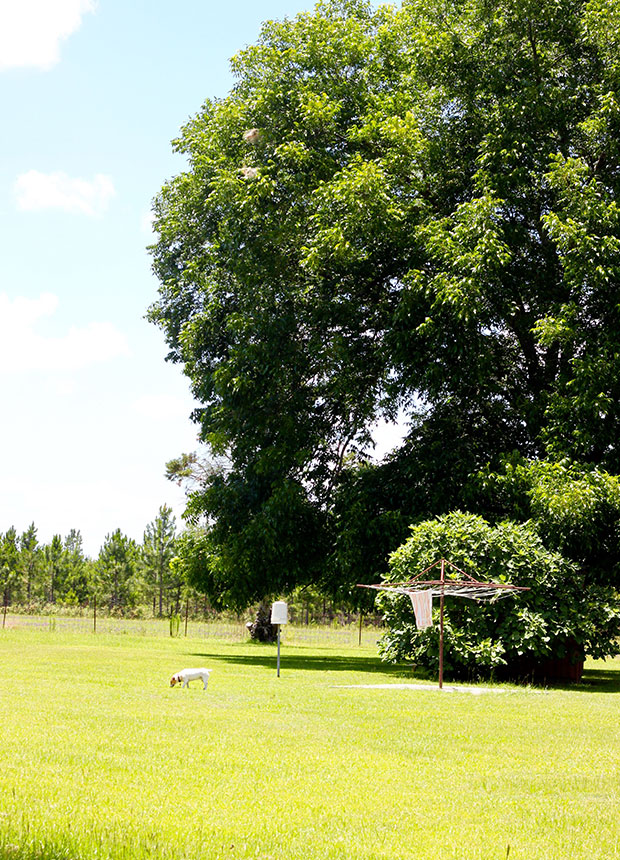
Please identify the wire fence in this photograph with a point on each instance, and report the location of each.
(343, 635)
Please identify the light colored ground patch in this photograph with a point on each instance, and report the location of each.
(475, 691)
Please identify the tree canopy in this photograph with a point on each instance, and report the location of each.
(407, 209)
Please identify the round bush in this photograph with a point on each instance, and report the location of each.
(558, 617)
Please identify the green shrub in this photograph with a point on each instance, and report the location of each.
(559, 616)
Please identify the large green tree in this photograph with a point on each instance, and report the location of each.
(410, 208)
(54, 567)
(30, 558)
(77, 584)
(9, 564)
(158, 549)
(117, 571)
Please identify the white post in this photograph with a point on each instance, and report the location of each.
(279, 616)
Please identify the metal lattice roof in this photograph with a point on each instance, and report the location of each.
(450, 586)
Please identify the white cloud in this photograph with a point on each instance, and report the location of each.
(158, 407)
(22, 348)
(31, 30)
(35, 191)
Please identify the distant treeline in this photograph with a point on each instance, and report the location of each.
(126, 578)
(125, 574)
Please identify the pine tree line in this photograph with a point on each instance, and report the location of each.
(126, 574)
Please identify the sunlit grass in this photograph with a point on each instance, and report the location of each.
(101, 758)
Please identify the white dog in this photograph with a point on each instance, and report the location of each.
(186, 675)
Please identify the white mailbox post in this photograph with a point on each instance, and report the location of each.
(279, 616)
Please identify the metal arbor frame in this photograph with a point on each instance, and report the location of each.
(467, 587)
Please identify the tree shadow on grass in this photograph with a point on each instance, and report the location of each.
(594, 681)
(604, 680)
(312, 663)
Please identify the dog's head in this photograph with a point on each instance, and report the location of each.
(174, 680)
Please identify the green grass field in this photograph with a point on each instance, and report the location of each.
(102, 759)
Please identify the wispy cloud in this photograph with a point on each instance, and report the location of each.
(22, 348)
(158, 407)
(31, 30)
(35, 191)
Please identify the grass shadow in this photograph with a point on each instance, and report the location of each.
(605, 680)
(313, 663)
(593, 681)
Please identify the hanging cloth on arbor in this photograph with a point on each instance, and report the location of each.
(422, 602)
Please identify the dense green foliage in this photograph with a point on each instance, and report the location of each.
(117, 568)
(575, 509)
(125, 574)
(400, 211)
(35, 573)
(158, 550)
(559, 616)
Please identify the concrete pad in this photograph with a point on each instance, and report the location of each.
(475, 691)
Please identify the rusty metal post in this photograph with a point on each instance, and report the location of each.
(443, 570)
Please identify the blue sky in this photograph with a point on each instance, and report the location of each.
(92, 93)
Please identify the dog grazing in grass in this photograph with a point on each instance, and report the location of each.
(186, 675)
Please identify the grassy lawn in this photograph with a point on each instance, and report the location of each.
(101, 758)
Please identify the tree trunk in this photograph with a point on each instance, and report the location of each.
(261, 628)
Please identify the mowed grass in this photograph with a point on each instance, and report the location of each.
(102, 759)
